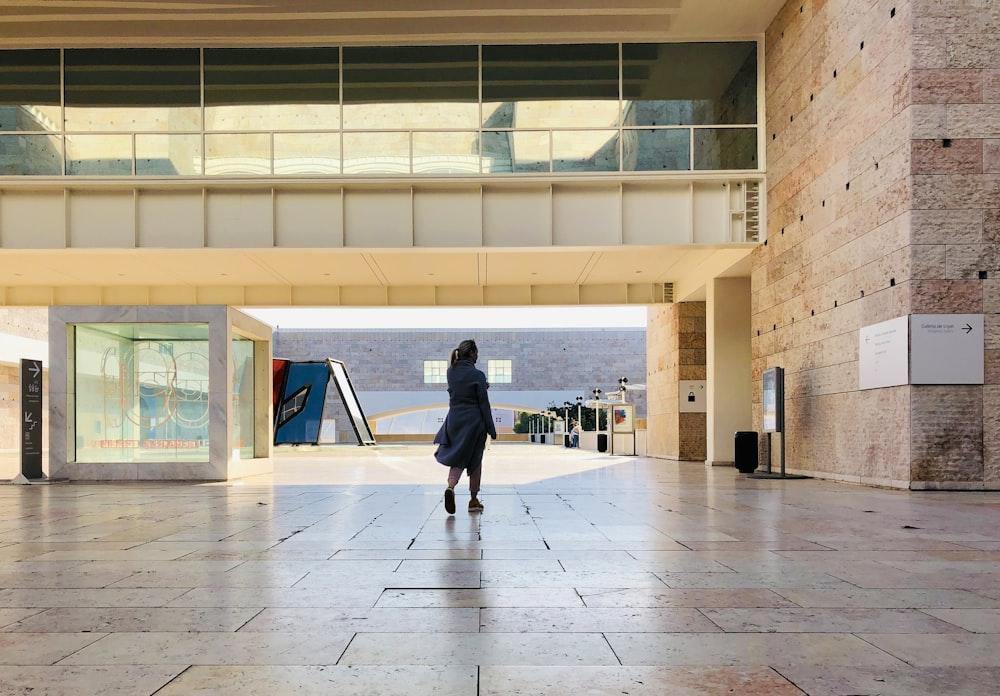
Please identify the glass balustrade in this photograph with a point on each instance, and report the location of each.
(380, 111)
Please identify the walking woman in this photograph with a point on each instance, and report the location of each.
(462, 437)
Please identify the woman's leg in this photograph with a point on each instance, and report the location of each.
(454, 474)
(475, 478)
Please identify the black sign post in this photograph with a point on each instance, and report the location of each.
(773, 419)
(31, 419)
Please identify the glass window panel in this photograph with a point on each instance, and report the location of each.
(549, 86)
(651, 150)
(690, 83)
(131, 89)
(99, 155)
(243, 398)
(446, 153)
(585, 151)
(168, 155)
(306, 153)
(272, 89)
(435, 371)
(376, 153)
(238, 154)
(29, 91)
(30, 155)
(725, 148)
(499, 372)
(411, 87)
(515, 151)
(141, 392)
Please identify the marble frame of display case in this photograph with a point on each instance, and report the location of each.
(224, 324)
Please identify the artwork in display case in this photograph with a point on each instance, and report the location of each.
(623, 418)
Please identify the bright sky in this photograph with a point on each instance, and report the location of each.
(453, 317)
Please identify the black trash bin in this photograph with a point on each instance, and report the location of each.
(602, 442)
(566, 440)
(746, 451)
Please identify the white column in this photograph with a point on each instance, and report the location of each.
(730, 390)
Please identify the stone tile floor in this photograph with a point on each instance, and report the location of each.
(341, 573)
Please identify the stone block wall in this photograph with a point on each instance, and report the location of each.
(24, 323)
(837, 255)
(675, 351)
(883, 146)
(955, 152)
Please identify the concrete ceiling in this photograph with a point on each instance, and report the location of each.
(72, 23)
(206, 23)
(332, 276)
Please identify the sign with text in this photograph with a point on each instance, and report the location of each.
(773, 400)
(883, 354)
(946, 349)
(31, 419)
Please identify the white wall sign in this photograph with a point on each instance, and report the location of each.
(883, 354)
(692, 397)
(946, 349)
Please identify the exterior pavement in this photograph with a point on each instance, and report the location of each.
(341, 573)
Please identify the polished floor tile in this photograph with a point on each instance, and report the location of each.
(350, 680)
(586, 574)
(479, 649)
(634, 681)
(912, 681)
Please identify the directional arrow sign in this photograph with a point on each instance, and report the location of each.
(946, 349)
(31, 407)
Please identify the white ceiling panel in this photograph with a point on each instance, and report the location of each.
(422, 268)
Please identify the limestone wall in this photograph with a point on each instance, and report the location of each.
(883, 146)
(675, 347)
(837, 255)
(955, 253)
(23, 323)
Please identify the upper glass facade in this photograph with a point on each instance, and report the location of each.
(355, 111)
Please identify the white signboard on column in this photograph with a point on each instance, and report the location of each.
(883, 354)
(691, 396)
(946, 349)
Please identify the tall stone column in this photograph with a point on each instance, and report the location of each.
(675, 351)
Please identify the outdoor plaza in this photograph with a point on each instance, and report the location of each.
(341, 573)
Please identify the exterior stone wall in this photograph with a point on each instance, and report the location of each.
(676, 351)
(543, 361)
(955, 153)
(837, 255)
(24, 323)
(883, 140)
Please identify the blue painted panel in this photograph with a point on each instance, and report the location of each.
(301, 405)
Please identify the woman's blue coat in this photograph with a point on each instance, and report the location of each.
(462, 437)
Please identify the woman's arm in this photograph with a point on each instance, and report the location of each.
(484, 404)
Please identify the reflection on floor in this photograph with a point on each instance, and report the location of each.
(586, 574)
